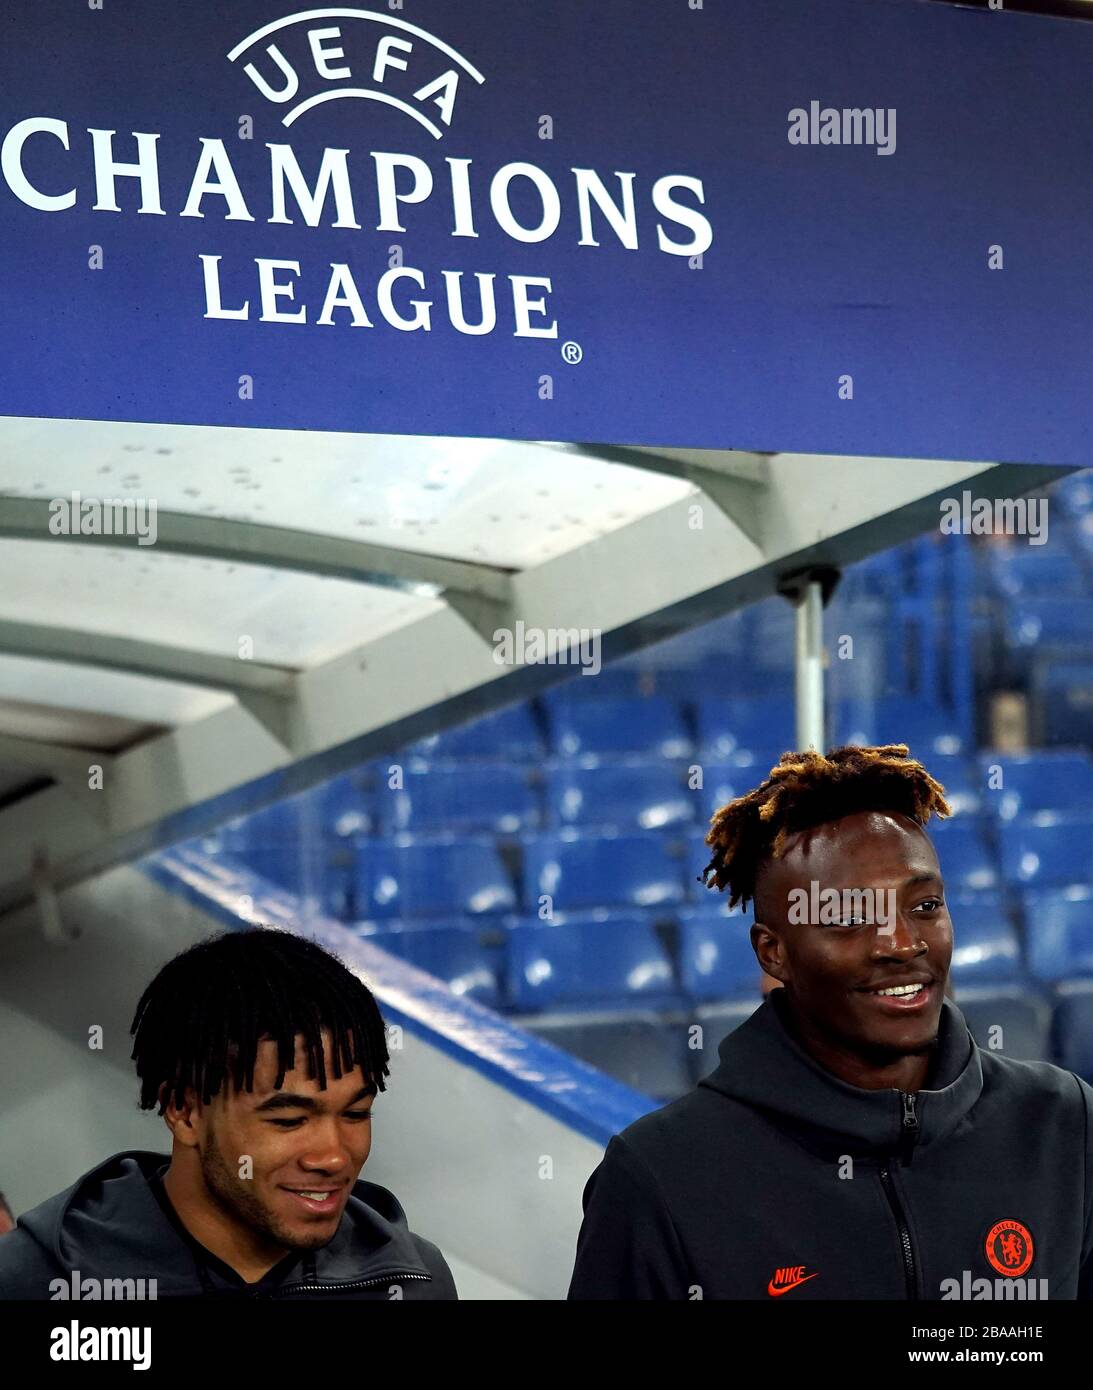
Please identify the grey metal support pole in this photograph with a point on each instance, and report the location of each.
(809, 666)
(809, 590)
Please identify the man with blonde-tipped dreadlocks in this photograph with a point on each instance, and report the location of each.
(854, 1142)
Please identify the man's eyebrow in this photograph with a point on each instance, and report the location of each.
(294, 1100)
(921, 878)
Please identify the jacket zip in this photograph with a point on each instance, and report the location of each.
(390, 1277)
(909, 1139)
(910, 1126)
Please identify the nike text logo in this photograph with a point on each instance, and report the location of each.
(786, 1279)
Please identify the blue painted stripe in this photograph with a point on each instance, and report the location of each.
(543, 1075)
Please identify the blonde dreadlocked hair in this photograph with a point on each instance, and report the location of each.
(809, 789)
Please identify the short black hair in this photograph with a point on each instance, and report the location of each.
(202, 1017)
(809, 789)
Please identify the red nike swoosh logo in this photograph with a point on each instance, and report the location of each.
(774, 1292)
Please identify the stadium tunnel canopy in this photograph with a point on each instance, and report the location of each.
(312, 599)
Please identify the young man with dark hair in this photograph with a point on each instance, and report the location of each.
(264, 1054)
(854, 1142)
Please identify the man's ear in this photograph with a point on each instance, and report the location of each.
(767, 946)
(184, 1121)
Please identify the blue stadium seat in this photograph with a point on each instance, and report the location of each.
(640, 1049)
(716, 960)
(702, 646)
(303, 870)
(769, 666)
(410, 877)
(465, 956)
(1012, 1020)
(961, 781)
(926, 729)
(288, 845)
(631, 795)
(1036, 633)
(695, 854)
(1046, 622)
(967, 864)
(1056, 780)
(1079, 533)
(1035, 571)
(345, 808)
(722, 782)
(1059, 932)
(584, 871)
(753, 762)
(466, 798)
(336, 809)
(1074, 1027)
(651, 726)
(630, 678)
(1075, 493)
(507, 735)
(1046, 849)
(1064, 700)
(986, 947)
(284, 823)
(602, 958)
(879, 573)
(729, 728)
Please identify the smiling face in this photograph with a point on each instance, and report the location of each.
(832, 969)
(299, 1139)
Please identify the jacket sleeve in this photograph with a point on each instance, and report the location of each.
(25, 1271)
(628, 1247)
(1085, 1273)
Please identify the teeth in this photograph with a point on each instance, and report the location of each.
(317, 1196)
(899, 989)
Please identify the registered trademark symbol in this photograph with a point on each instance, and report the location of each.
(572, 352)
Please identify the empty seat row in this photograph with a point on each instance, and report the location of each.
(625, 795)
(1027, 571)
(423, 876)
(703, 954)
(579, 719)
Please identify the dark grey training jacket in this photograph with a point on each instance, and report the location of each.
(109, 1227)
(773, 1179)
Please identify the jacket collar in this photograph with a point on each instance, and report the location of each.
(109, 1225)
(763, 1065)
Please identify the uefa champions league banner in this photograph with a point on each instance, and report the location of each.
(836, 226)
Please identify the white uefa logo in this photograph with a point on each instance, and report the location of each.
(355, 58)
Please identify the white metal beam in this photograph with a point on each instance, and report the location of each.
(275, 547)
(139, 657)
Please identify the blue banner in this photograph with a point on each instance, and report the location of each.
(835, 226)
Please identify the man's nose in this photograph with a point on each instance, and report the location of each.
(326, 1151)
(898, 936)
